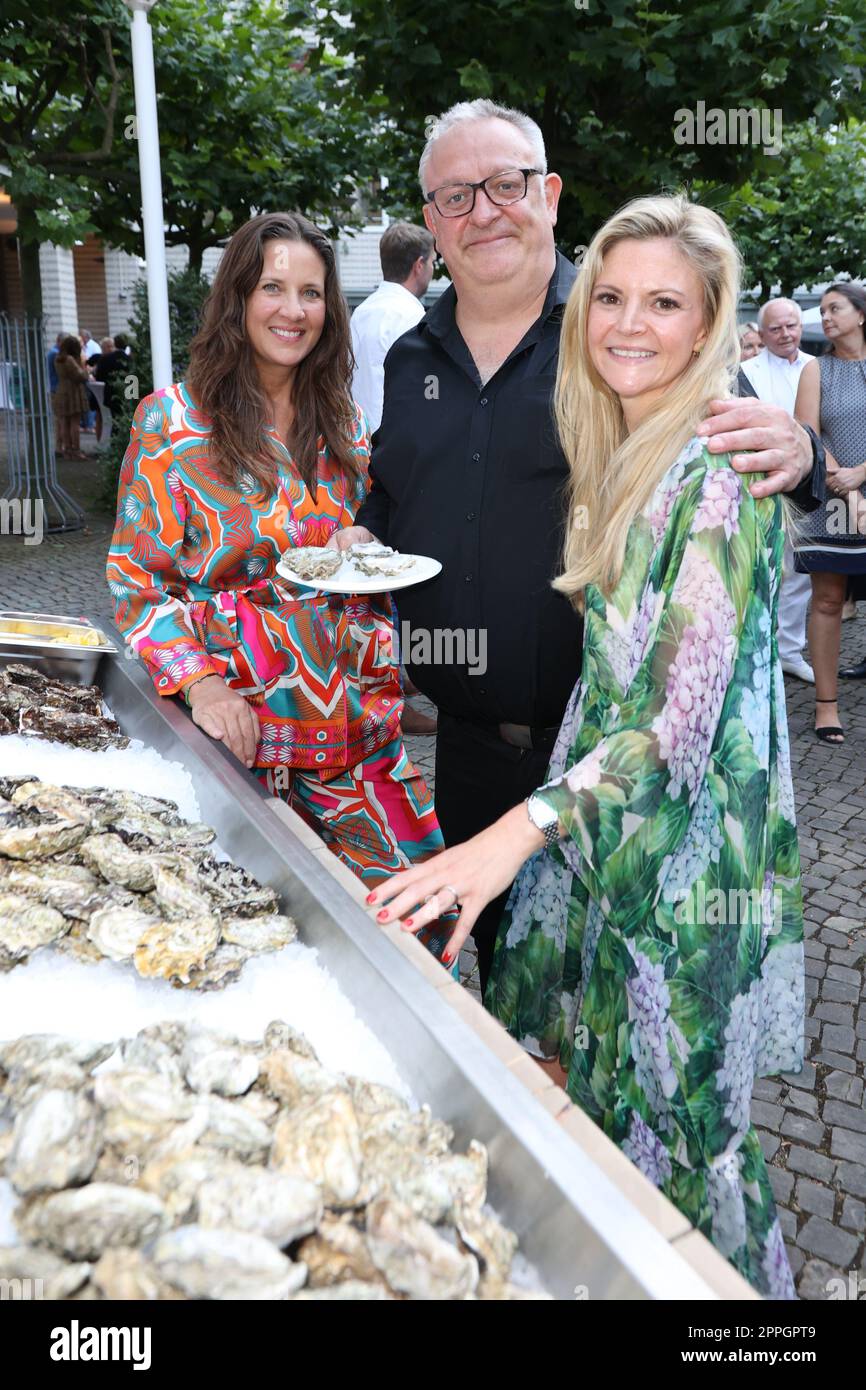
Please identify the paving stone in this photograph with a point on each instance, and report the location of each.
(835, 1059)
(763, 1113)
(804, 1079)
(840, 992)
(812, 1027)
(850, 957)
(837, 1039)
(788, 1223)
(820, 1237)
(781, 1182)
(861, 1051)
(804, 1130)
(851, 1177)
(769, 1143)
(801, 1100)
(849, 1116)
(815, 1278)
(853, 1215)
(835, 1013)
(814, 948)
(830, 937)
(796, 1259)
(813, 1198)
(815, 969)
(844, 1143)
(813, 987)
(814, 1165)
(843, 1087)
(845, 973)
(764, 1089)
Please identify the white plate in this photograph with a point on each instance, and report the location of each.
(348, 580)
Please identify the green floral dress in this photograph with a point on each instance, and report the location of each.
(658, 950)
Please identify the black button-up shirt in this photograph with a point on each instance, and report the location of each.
(471, 474)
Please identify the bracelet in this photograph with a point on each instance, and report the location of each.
(187, 688)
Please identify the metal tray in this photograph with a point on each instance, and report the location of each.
(64, 661)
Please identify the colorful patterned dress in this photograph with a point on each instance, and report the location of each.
(192, 568)
(658, 950)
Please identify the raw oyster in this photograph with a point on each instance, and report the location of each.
(371, 558)
(350, 1290)
(281, 1034)
(24, 1054)
(51, 801)
(220, 969)
(258, 1200)
(256, 934)
(295, 1080)
(26, 925)
(70, 888)
(170, 950)
(484, 1234)
(321, 1141)
(55, 1142)
(27, 834)
(414, 1258)
(337, 1252)
(313, 561)
(233, 1130)
(140, 1106)
(125, 1273)
(114, 861)
(180, 896)
(63, 726)
(84, 1221)
(225, 1264)
(233, 891)
(28, 1272)
(211, 1063)
(117, 931)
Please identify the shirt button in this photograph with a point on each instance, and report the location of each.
(470, 516)
(467, 578)
(483, 400)
(475, 458)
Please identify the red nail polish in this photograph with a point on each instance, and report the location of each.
(380, 916)
(408, 922)
(371, 897)
(446, 959)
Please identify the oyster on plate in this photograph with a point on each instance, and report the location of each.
(313, 561)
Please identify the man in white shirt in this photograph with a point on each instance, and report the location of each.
(775, 374)
(407, 255)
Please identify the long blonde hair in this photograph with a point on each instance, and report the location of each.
(614, 473)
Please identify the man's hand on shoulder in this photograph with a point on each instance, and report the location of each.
(779, 446)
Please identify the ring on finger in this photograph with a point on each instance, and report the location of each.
(447, 888)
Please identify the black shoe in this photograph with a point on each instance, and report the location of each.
(854, 673)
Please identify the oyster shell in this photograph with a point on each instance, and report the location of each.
(225, 1264)
(180, 896)
(140, 1106)
(338, 1252)
(171, 950)
(84, 1221)
(484, 1234)
(26, 925)
(414, 1258)
(313, 561)
(274, 1205)
(28, 1272)
(233, 891)
(23, 1054)
(211, 1063)
(233, 1130)
(350, 1290)
(281, 1034)
(27, 834)
(116, 932)
(125, 1273)
(56, 1141)
(269, 933)
(295, 1080)
(69, 888)
(220, 969)
(114, 861)
(321, 1141)
(52, 801)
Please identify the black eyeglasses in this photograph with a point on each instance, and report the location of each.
(456, 199)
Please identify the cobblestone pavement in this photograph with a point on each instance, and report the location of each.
(812, 1126)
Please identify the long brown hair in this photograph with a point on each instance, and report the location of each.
(222, 375)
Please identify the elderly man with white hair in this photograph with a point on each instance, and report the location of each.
(774, 374)
(466, 467)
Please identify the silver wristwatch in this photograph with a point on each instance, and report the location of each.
(543, 819)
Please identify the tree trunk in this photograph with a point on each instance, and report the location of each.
(196, 251)
(31, 278)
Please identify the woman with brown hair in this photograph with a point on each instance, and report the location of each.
(262, 449)
(831, 397)
(70, 398)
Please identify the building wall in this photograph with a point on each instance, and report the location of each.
(121, 273)
(59, 298)
(89, 262)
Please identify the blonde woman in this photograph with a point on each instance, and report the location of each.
(651, 954)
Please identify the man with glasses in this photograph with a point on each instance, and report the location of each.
(774, 374)
(466, 468)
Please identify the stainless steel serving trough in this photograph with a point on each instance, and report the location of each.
(587, 1220)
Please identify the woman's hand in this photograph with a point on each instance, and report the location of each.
(478, 871)
(847, 480)
(225, 715)
(350, 535)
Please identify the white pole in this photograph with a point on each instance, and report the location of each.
(151, 191)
